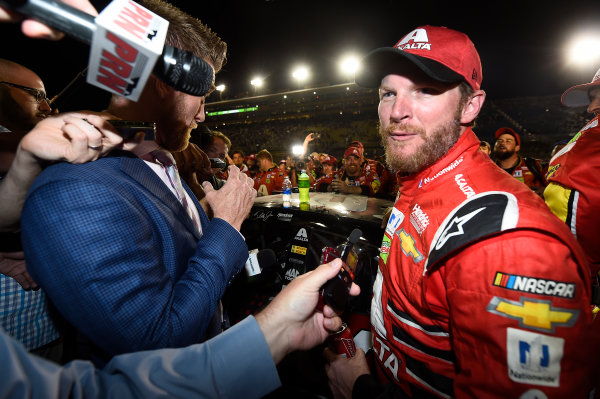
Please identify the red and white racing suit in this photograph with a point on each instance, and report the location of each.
(481, 291)
(573, 193)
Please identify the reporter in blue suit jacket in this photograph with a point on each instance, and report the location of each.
(111, 244)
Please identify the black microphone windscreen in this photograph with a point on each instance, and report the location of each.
(185, 72)
(266, 258)
(355, 236)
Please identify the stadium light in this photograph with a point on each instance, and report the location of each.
(297, 150)
(220, 87)
(257, 81)
(349, 65)
(301, 74)
(584, 49)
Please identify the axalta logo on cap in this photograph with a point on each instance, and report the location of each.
(419, 38)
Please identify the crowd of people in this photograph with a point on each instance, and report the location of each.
(118, 252)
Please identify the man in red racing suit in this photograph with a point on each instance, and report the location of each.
(481, 292)
(353, 178)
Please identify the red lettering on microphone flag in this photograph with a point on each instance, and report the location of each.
(115, 68)
(134, 20)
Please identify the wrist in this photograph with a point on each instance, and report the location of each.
(274, 333)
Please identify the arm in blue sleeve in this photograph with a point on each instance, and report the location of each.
(122, 268)
(235, 364)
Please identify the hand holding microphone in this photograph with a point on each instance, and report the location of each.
(127, 46)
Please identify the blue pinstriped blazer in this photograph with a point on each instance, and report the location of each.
(120, 258)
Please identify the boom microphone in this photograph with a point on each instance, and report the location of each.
(126, 40)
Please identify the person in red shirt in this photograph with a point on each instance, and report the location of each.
(252, 164)
(481, 292)
(573, 192)
(527, 170)
(270, 178)
(329, 164)
(355, 177)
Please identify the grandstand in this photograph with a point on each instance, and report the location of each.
(344, 113)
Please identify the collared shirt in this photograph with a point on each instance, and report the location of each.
(148, 146)
(24, 314)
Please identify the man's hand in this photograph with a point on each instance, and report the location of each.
(75, 137)
(340, 186)
(12, 264)
(38, 30)
(290, 322)
(233, 201)
(344, 372)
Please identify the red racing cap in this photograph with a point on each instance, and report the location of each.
(357, 152)
(442, 54)
(329, 159)
(578, 96)
(507, 130)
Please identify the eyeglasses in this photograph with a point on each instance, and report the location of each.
(38, 94)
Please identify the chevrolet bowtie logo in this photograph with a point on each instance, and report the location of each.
(407, 243)
(535, 314)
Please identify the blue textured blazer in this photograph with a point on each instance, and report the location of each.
(120, 257)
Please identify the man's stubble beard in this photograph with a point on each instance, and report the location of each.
(174, 140)
(502, 155)
(433, 148)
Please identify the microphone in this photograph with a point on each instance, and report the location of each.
(259, 262)
(127, 46)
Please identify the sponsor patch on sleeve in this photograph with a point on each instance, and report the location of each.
(534, 314)
(533, 358)
(394, 222)
(534, 285)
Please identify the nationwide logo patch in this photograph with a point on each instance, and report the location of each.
(533, 358)
(534, 314)
(394, 221)
(299, 250)
(534, 285)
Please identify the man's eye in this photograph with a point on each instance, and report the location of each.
(429, 90)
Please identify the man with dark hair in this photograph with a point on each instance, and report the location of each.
(481, 292)
(216, 146)
(526, 170)
(485, 147)
(121, 246)
(270, 178)
(238, 160)
(356, 176)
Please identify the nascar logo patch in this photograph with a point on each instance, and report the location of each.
(534, 285)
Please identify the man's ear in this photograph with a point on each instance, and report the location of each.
(161, 88)
(472, 107)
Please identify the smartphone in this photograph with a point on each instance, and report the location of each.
(128, 129)
(217, 163)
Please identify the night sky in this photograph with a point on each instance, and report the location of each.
(521, 43)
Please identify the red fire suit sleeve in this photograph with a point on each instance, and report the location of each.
(509, 339)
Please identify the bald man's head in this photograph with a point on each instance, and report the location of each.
(22, 97)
